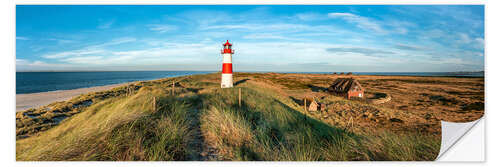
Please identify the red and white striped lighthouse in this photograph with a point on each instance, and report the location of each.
(227, 65)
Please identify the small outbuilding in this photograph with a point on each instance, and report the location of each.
(311, 104)
(347, 87)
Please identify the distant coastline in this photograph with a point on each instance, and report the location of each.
(44, 81)
(420, 74)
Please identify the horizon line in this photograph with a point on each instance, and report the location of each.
(251, 71)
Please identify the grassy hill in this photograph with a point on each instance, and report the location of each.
(204, 122)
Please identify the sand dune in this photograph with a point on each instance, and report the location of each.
(34, 100)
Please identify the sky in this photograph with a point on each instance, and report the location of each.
(280, 38)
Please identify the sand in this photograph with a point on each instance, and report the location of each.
(35, 100)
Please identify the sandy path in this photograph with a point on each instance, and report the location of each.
(34, 100)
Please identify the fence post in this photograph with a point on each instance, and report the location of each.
(130, 91)
(154, 104)
(305, 105)
(173, 87)
(352, 123)
(239, 96)
(305, 109)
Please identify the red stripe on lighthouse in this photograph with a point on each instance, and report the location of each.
(227, 68)
(227, 51)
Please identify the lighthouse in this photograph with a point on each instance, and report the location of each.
(227, 65)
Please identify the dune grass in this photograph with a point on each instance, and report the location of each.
(32, 121)
(267, 126)
(121, 128)
(264, 128)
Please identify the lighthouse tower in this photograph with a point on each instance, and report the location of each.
(227, 66)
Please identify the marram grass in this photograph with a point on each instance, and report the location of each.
(266, 127)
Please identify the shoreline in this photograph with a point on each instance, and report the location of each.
(35, 100)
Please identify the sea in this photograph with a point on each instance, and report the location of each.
(34, 82)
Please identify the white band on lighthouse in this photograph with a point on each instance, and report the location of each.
(226, 58)
(227, 81)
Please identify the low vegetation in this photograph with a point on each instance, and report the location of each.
(203, 122)
(267, 128)
(119, 128)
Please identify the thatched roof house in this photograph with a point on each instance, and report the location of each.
(347, 87)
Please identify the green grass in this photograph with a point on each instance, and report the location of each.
(120, 128)
(264, 128)
(267, 126)
(32, 121)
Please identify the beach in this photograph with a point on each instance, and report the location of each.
(35, 100)
(36, 89)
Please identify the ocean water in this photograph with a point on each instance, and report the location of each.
(33, 82)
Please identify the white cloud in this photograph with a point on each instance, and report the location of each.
(27, 65)
(39, 63)
(454, 61)
(464, 38)
(273, 28)
(266, 36)
(22, 38)
(345, 15)
(479, 43)
(116, 41)
(84, 60)
(277, 54)
(401, 30)
(470, 53)
(61, 41)
(274, 54)
(361, 50)
(360, 21)
(74, 53)
(310, 16)
(432, 34)
(89, 50)
(21, 62)
(410, 47)
(165, 52)
(162, 28)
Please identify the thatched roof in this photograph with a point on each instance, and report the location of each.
(343, 85)
(311, 104)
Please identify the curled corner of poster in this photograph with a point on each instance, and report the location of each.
(462, 142)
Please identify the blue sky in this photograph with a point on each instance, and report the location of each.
(299, 38)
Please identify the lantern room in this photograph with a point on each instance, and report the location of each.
(227, 48)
